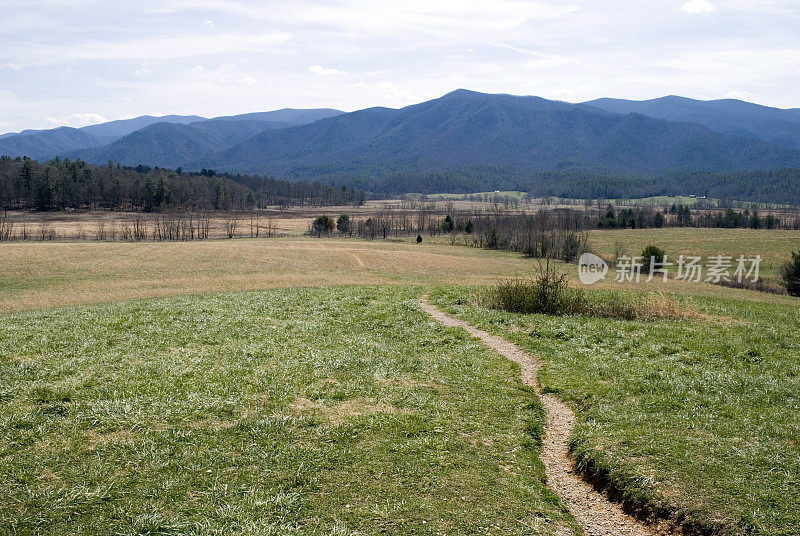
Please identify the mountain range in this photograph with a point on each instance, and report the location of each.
(464, 132)
(728, 116)
(64, 141)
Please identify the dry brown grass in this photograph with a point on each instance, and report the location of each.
(49, 274)
(339, 412)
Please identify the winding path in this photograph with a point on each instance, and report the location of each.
(591, 509)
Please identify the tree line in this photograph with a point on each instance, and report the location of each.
(59, 184)
(679, 215)
(775, 186)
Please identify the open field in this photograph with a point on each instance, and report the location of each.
(700, 415)
(309, 411)
(497, 194)
(270, 412)
(774, 246)
(51, 274)
(48, 274)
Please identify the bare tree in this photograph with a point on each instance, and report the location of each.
(6, 227)
(231, 224)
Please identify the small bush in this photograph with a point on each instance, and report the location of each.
(548, 293)
(790, 273)
(636, 306)
(541, 295)
(762, 285)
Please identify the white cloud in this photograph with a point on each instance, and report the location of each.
(403, 52)
(153, 48)
(319, 69)
(741, 95)
(543, 60)
(76, 120)
(698, 6)
(393, 90)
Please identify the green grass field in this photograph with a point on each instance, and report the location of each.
(308, 411)
(341, 409)
(701, 415)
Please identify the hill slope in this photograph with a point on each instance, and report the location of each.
(47, 143)
(172, 145)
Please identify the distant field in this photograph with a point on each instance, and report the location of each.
(49, 274)
(337, 411)
(773, 246)
(443, 197)
(701, 415)
(664, 200)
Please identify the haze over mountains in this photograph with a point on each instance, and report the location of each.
(484, 139)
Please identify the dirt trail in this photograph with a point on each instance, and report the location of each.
(591, 509)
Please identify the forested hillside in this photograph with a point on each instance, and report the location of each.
(500, 135)
(62, 183)
(728, 116)
(779, 186)
(468, 142)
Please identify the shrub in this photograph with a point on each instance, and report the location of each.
(761, 285)
(790, 273)
(548, 293)
(636, 306)
(652, 254)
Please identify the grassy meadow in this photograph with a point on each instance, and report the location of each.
(292, 386)
(305, 411)
(698, 415)
(774, 246)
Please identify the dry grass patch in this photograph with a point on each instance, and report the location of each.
(340, 412)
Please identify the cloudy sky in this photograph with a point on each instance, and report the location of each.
(80, 62)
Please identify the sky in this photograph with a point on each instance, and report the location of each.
(74, 63)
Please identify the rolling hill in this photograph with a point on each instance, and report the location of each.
(172, 145)
(121, 127)
(41, 144)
